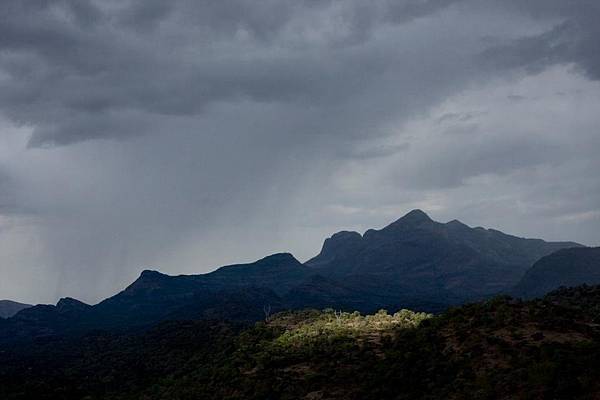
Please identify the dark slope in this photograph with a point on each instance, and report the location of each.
(154, 296)
(321, 292)
(8, 308)
(278, 272)
(498, 349)
(419, 257)
(566, 267)
(44, 320)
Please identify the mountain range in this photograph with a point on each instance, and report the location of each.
(422, 258)
(414, 263)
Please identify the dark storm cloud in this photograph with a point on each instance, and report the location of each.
(80, 70)
(575, 38)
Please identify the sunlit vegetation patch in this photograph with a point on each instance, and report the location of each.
(302, 328)
(321, 353)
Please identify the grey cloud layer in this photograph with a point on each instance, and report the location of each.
(80, 70)
(76, 70)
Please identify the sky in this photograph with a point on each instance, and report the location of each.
(184, 135)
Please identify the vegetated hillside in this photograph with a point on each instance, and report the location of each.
(502, 348)
(8, 308)
(421, 259)
(566, 267)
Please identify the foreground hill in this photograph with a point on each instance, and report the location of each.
(567, 267)
(502, 348)
(9, 308)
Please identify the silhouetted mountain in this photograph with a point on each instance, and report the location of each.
(68, 305)
(154, 296)
(9, 308)
(566, 267)
(44, 320)
(236, 292)
(414, 262)
(416, 258)
(278, 272)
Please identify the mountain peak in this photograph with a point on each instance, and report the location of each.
(278, 261)
(279, 258)
(344, 235)
(416, 214)
(414, 217)
(342, 242)
(148, 273)
(456, 224)
(148, 279)
(69, 303)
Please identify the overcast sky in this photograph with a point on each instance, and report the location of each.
(182, 135)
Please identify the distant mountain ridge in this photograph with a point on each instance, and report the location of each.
(8, 308)
(566, 267)
(414, 263)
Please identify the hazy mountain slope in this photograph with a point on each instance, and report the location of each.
(9, 308)
(416, 254)
(566, 267)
